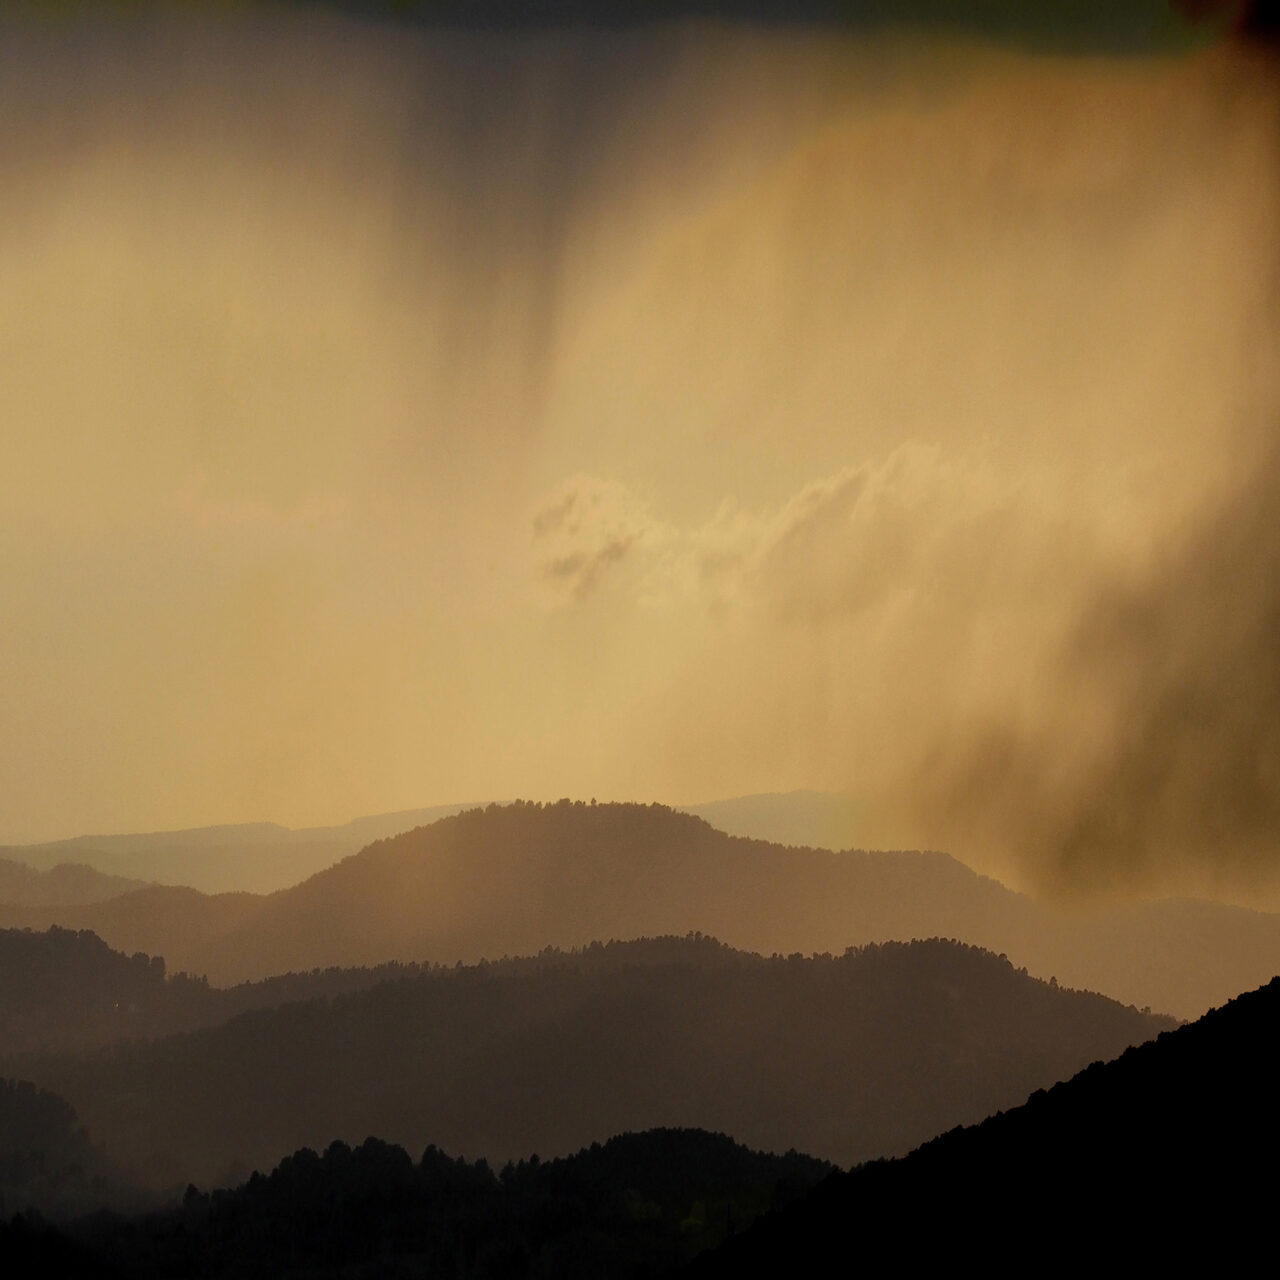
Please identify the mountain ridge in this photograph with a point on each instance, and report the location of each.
(513, 879)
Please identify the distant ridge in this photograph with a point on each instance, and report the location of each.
(243, 857)
(63, 885)
(816, 819)
(508, 880)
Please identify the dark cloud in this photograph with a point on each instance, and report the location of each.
(586, 531)
(1255, 20)
(1078, 25)
(1161, 757)
(553, 517)
(1152, 757)
(580, 573)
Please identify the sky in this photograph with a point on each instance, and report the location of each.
(398, 415)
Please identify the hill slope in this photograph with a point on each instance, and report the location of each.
(63, 990)
(1164, 1156)
(852, 1057)
(65, 884)
(46, 1159)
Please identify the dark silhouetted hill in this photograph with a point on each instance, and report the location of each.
(60, 989)
(513, 879)
(861, 1055)
(1162, 1158)
(47, 1162)
(638, 1205)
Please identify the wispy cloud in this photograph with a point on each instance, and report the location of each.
(917, 525)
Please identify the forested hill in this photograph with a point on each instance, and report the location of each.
(1162, 1158)
(47, 1160)
(509, 880)
(61, 989)
(848, 1057)
(636, 1205)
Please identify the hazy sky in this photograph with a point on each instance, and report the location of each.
(393, 417)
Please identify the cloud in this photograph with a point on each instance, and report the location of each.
(917, 526)
(590, 532)
(921, 525)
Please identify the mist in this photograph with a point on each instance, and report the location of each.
(1151, 755)
(396, 416)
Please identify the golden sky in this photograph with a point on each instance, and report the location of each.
(393, 418)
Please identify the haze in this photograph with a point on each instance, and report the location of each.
(395, 417)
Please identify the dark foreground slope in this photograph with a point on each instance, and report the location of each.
(511, 880)
(1164, 1156)
(851, 1057)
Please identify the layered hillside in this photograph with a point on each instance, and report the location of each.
(510, 880)
(850, 1057)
